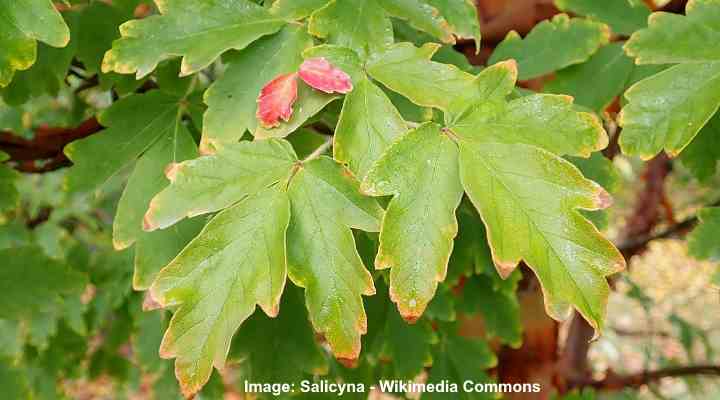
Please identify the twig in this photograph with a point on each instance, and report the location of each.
(320, 150)
(620, 382)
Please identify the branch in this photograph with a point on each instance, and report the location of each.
(620, 382)
(46, 146)
(678, 229)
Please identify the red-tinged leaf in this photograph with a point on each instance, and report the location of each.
(323, 76)
(276, 100)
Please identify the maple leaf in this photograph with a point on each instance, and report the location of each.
(668, 109)
(179, 32)
(237, 261)
(552, 45)
(325, 204)
(321, 75)
(416, 239)
(276, 100)
(535, 198)
(421, 170)
(322, 257)
(21, 25)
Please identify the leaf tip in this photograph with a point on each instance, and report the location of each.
(148, 224)
(505, 268)
(149, 302)
(348, 362)
(512, 67)
(602, 199)
(207, 147)
(171, 171)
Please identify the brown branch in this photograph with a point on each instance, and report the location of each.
(619, 382)
(678, 229)
(44, 152)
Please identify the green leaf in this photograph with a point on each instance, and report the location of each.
(408, 70)
(421, 15)
(368, 124)
(546, 121)
(11, 339)
(45, 76)
(281, 349)
(21, 24)
(528, 199)
(552, 45)
(148, 328)
(232, 99)
(689, 35)
(702, 242)
(409, 347)
(31, 283)
(442, 306)
(623, 16)
(596, 82)
(702, 154)
(457, 360)
(462, 17)
(97, 29)
(133, 124)
(309, 102)
(322, 258)
(498, 306)
(178, 31)
(14, 381)
(211, 183)
(147, 179)
(237, 261)
(361, 25)
(156, 249)
(296, 9)
(421, 171)
(9, 195)
(667, 110)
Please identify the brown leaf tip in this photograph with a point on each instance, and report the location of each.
(171, 171)
(148, 224)
(348, 362)
(505, 268)
(149, 303)
(603, 199)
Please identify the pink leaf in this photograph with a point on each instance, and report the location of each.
(276, 100)
(323, 76)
